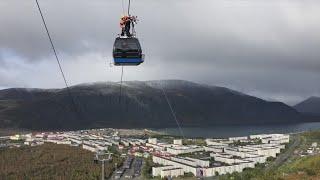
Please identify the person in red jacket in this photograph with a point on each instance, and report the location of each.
(125, 24)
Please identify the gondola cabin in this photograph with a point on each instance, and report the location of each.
(127, 51)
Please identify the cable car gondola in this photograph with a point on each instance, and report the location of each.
(127, 51)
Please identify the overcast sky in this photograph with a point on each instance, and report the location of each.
(265, 48)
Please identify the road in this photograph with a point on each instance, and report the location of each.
(130, 173)
(283, 157)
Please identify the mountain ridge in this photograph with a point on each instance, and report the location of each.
(310, 106)
(141, 105)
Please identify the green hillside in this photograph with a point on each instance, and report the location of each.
(49, 161)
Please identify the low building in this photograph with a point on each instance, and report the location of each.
(218, 142)
(101, 148)
(177, 141)
(265, 151)
(198, 171)
(16, 137)
(159, 146)
(314, 144)
(246, 155)
(272, 138)
(167, 171)
(152, 140)
(238, 138)
(167, 161)
(64, 142)
(218, 149)
(172, 172)
(75, 140)
(176, 150)
(125, 142)
(89, 147)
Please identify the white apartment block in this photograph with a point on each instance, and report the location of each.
(177, 141)
(152, 140)
(167, 171)
(218, 149)
(176, 150)
(238, 138)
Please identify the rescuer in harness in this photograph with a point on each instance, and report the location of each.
(125, 25)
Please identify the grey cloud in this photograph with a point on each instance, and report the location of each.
(264, 48)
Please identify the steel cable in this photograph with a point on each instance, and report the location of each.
(56, 57)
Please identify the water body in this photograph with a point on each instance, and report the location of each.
(241, 130)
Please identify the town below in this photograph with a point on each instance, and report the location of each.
(148, 154)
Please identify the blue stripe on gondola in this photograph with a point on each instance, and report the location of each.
(128, 60)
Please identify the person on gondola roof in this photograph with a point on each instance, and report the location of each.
(125, 24)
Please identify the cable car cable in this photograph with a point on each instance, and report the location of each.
(123, 10)
(172, 111)
(129, 7)
(121, 85)
(163, 91)
(56, 56)
(52, 46)
(121, 80)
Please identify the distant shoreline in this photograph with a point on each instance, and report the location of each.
(12, 131)
(203, 132)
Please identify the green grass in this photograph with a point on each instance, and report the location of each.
(310, 137)
(147, 168)
(307, 164)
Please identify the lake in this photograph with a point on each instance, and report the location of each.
(240, 130)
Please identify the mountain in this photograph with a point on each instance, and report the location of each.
(141, 105)
(309, 106)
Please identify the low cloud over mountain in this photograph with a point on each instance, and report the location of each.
(141, 104)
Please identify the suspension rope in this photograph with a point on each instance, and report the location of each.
(123, 10)
(121, 80)
(129, 7)
(172, 111)
(121, 84)
(56, 56)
